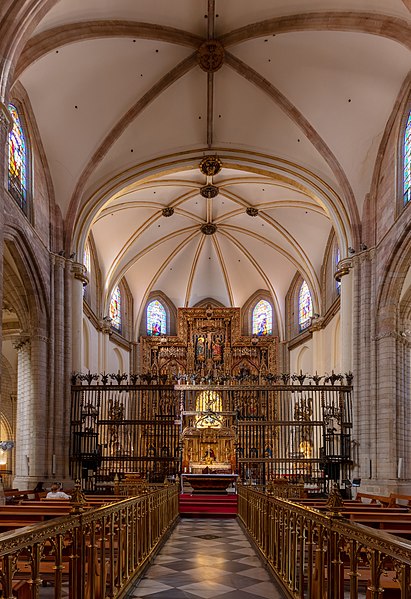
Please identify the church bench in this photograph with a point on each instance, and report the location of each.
(382, 499)
(22, 589)
(10, 524)
(388, 522)
(11, 512)
(395, 497)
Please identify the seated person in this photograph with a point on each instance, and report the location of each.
(39, 488)
(56, 493)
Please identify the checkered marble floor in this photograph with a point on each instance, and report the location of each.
(206, 559)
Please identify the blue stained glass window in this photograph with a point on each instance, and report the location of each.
(337, 259)
(17, 161)
(407, 161)
(263, 319)
(305, 307)
(156, 319)
(115, 309)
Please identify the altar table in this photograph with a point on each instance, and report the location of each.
(212, 484)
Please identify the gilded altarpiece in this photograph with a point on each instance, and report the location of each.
(209, 346)
(211, 350)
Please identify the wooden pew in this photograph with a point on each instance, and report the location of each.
(382, 499)
(395, 497)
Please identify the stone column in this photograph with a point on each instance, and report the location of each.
(344, 274)
(318, 343)
(79, 280)
(58, 452)
(32, 459)
(104, 338)
(5, 126)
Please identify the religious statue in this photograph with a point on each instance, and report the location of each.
(209, 455)
(217, 350)
(200, 348)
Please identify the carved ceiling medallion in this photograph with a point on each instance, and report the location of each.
(209, 191)
(210, 56)
(210, 166)
(208, 228)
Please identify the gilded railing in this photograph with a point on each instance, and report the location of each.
(316, 555)
(90, 555)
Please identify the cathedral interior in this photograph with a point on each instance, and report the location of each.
(205, 275)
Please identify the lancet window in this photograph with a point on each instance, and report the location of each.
(262, 318)
(115, 309)
(17, 179)
(305, 307)
(156, 319)
(337, 259)
(407, 161)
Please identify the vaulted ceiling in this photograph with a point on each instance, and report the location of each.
(292, 96)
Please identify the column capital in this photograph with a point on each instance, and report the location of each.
(6, 121)
(58, 260)
(21, 341)
(403, 337)
(105, 325)
(343, 268)
(317, 323)
(80, 272)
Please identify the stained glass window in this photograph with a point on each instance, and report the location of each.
(87, 258)
(337, 259)
(115, 309)
(17, 161)
(262, 319)
(305, 307)
(407, 161)
(156, 319)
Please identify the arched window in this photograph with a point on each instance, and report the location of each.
(263, 319)
(87, 258)
(337, 259)
(87, 264)
(305, 307)
(407, 161)
(17, 161)
(115, 309)
(156, 319)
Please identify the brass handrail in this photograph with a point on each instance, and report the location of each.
(95, 554)
(317, 555)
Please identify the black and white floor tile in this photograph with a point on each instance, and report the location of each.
(207, 559)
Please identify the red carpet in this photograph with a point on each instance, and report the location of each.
(203, 506)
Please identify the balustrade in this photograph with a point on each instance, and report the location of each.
(94, 554)
(317, 555)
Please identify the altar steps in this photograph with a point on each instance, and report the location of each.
(208, 506)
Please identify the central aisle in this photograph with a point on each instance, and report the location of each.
(207, 558)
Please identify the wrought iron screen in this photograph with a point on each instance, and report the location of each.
(281, 429)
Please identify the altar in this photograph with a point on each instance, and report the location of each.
(212, 468)
(211, 484)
